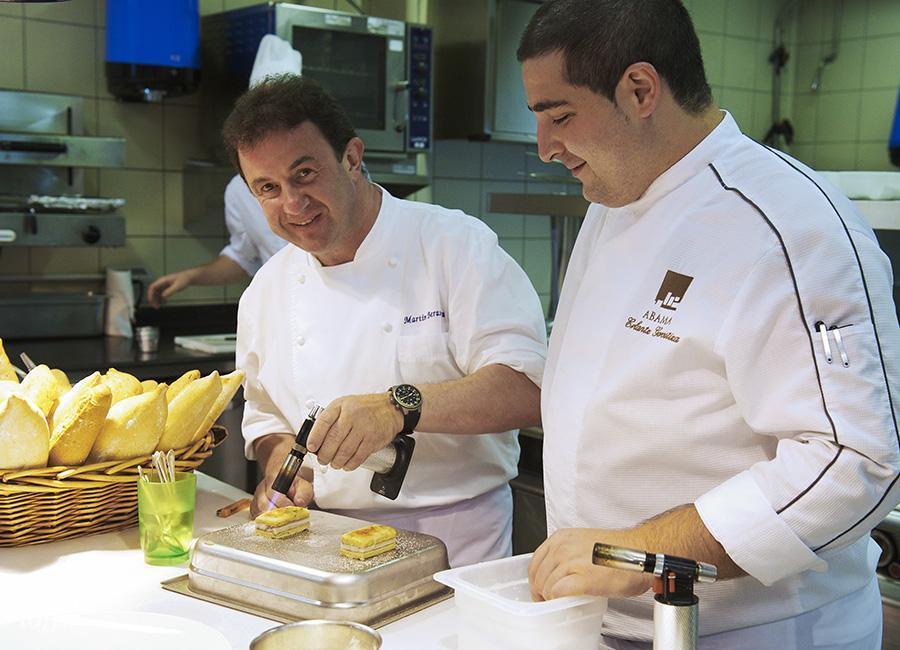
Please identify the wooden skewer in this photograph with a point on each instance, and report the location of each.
(232, 508)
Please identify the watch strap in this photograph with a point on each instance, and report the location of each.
(410, 420)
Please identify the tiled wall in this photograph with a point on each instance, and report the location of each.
(59, 47)
(846, 123)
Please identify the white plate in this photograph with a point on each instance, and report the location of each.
(112, 631)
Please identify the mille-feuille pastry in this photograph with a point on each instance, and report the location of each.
(363, 543)
(282, 522)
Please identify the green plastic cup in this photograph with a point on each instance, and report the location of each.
(166, 517)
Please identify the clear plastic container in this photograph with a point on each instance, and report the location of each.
(496, 611)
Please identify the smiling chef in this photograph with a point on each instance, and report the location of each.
(722, 381)
(399, 316)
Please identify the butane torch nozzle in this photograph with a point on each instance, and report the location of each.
(294, 459)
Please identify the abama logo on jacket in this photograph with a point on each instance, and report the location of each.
(672, 290)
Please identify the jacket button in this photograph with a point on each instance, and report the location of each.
(301, 279)
(300, 340)
(392, 262)
(387, 327)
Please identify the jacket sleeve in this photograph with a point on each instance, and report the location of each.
(240, 247)
(831, 473)
(261, 416)
(495, 313)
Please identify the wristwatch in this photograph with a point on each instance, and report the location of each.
(407, 399)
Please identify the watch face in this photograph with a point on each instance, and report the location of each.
(408, 396)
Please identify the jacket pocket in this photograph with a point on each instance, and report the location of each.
(426, 359)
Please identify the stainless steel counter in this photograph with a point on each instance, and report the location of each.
(79, 357)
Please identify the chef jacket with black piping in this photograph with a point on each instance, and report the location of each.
(251, 242)
(429, 297)
(688, 364)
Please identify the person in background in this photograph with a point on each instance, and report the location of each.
(251, 242)
(399, 316)
(722, 379)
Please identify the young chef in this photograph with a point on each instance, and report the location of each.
(722, 378)
(376, 298)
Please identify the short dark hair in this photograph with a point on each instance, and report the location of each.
(281, 103)
(599, 39)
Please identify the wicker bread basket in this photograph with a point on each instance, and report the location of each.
(53, 503)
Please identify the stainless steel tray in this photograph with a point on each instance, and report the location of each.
(305, 576)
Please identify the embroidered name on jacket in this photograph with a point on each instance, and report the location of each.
(670, 294)
(437, 313)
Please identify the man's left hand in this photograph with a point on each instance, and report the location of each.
(352, 428)
(563, 566)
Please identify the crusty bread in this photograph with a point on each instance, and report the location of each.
(369, 541)
(24, 434)
(279, 523)
(181, 383)
(122, 385)
(8, 387)
(71, 397)
(74, 432)
(230, 383)
(188, 410)
(42, 388)
(62, 379)
(132, 428)
(7, 371)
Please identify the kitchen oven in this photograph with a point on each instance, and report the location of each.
(378, 69)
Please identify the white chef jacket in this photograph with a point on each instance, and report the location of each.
(685, 367)
(429, 297)
(251, 241)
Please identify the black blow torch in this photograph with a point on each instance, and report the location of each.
(389, 464)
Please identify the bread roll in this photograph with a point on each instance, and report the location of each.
(181, 383)
(148, 385)
(230, 383)
(24, 434)
(62, 379)
(71, 397)
(42, 388)
(188, 410)
(8, 387)
(74, 432)
(122, 385)
(7, 372)
(132, 428)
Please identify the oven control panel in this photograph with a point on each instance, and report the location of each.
(419, 47)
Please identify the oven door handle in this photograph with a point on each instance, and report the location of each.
(401, 106)
(33, 147)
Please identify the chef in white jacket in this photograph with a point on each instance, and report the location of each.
(250, 240)
(722, 381)
(374, 298)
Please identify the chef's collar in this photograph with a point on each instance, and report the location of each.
(721, 138)
(373, 240)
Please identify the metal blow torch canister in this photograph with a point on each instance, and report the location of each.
(388, 465)
(676, 611)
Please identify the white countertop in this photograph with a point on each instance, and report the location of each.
(106, 573)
